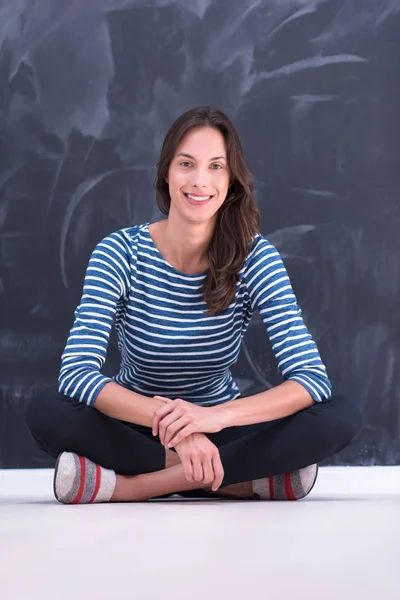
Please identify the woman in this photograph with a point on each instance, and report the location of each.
(181, 292)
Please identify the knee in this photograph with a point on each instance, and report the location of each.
(347, 419)
(36, 415)
(48, 417)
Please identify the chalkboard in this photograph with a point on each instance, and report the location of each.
(88, 91)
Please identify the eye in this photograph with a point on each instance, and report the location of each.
(185, 162)
(217, 165)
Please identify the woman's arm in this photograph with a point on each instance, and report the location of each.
(105, 288)
(306, 381)
(180, 418)
(270, 291)
(281, 401)
(120, 403)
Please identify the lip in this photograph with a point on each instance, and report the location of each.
(197, 202)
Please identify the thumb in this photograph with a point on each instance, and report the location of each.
(163, 399)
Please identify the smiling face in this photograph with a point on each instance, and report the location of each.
(198, 176)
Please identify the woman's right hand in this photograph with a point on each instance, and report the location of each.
(201, 460)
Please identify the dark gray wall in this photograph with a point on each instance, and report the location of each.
(87, 93)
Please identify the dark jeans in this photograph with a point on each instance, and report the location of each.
(60, 423)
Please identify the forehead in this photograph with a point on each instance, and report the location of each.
(203, 141)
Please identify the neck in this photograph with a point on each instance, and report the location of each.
(188, 242)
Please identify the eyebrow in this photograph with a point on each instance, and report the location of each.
(192, 157)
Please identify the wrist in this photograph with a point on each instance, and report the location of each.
(222, 415)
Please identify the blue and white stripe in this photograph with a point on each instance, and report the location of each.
(168, 345)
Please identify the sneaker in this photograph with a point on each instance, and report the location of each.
(286, 486)
(78, 480)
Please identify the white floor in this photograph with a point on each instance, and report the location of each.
(341, 541)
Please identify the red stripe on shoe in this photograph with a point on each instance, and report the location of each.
(290, 495)
(79, 495)
(271, 488)
(97, 484)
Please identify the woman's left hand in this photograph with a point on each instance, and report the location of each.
(179, 418)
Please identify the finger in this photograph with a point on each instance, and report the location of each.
(167, 422)
(188, 467)
(174, 428)
(197, 468)
(208, 470)
(181, 435)
(158, 415)
(163, 398)
(218, 472)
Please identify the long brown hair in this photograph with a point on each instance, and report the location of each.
(238, 217)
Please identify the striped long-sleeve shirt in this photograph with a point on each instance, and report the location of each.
(168, 345)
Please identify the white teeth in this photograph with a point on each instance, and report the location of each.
(198, 198)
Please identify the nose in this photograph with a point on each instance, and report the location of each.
(201, 178)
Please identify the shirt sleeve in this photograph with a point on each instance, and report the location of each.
(106, 285)
(270, 291)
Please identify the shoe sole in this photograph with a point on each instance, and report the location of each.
(315, 479)
(55, 477)
(295, 499)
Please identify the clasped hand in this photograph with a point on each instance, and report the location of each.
(178, 418)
